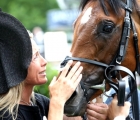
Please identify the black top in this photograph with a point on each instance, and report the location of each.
(32, 112)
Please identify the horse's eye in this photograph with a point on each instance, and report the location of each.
(108, 28)
(105, 27)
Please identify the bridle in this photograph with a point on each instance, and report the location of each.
(113, 69)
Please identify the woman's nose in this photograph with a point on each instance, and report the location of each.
(43, 61)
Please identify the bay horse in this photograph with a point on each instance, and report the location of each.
(105, 40)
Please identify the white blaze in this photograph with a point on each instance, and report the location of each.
(86, 15)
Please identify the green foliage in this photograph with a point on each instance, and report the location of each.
(30, 12)
(50, 73)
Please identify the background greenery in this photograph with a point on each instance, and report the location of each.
(30, 12)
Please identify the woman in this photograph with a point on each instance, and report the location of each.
(32, 106)
(21, 69)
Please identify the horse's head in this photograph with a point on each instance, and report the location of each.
(98, 31)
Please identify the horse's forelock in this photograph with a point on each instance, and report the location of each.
(114, 4)
(83, 4)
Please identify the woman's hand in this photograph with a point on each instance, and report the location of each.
(61, 88)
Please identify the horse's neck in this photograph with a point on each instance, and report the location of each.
(138, 11)
(136, 20)
(130, 60)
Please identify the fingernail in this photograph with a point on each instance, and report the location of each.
(81, 67)
(78, 63)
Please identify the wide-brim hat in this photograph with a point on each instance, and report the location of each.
(15, 52)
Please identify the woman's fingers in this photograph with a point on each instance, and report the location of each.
(78, 80)
(77, 73)
(73, 70)
(73, 73)
(53, 81)
(66, 69)
(72, 76)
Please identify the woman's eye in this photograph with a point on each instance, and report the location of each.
(36, 56)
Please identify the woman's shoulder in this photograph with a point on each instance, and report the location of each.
(43, 103)
(42, 100)
(40, 97)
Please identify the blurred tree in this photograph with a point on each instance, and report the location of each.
(30, 12)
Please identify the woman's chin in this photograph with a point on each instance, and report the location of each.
(42, 81)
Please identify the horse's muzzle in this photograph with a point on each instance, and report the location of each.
(76, 105)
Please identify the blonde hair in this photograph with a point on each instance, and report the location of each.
(9, 102)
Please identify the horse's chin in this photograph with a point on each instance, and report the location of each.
(76, 105)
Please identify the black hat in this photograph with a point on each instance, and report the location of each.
(15, 52)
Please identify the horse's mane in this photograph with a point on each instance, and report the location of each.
(115, 5)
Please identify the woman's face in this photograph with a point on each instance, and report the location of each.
(37, 68)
